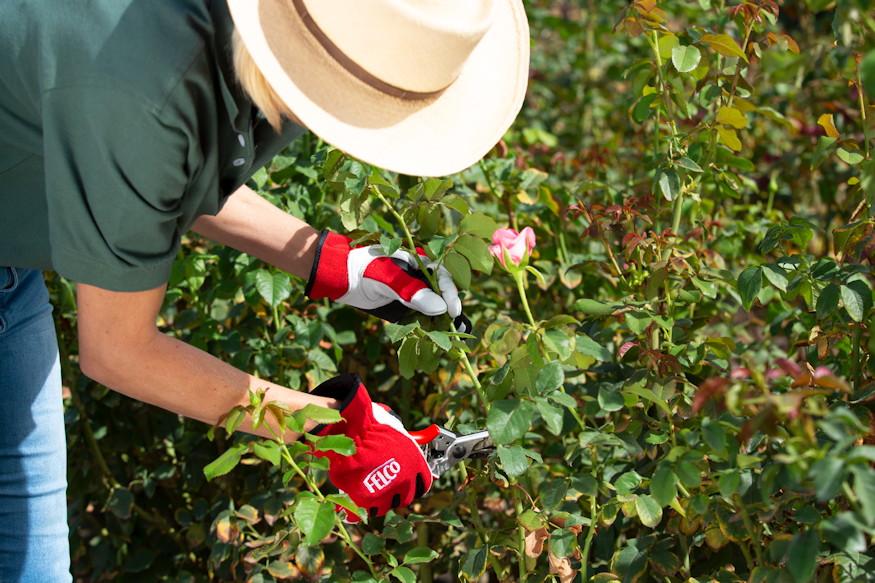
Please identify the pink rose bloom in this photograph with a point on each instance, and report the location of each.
(518, 245)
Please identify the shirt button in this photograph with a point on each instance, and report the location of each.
(238, 161)
(242, 140)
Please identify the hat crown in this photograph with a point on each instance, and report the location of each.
(413, 45)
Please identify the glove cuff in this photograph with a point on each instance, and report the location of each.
(355, 402)
(329, 275)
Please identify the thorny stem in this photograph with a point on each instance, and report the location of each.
(747, 30)
(748, 524)
(469, 368)
(478, 524)
(862, 99)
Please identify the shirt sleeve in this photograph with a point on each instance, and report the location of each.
(115, 180)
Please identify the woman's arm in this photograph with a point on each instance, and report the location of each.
(121, 347)
(251, 224)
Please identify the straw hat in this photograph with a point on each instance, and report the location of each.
(420, 87)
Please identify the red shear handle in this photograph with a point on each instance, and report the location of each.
(426, 435)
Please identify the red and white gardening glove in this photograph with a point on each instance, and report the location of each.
(388, 469)
(385, 286)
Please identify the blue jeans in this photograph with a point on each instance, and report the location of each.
(34, 542)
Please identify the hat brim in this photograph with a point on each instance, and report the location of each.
(436, 136)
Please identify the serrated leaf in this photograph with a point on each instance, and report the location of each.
(586, 345)
(723, 44)
(419, 555)
(827, 301)
(459, 268)
(509, 419)
(729, 137)
(320, 414)
(732, 117)
(268, 451)
(476, 251)
(550, 377)
(685, 58)
(479, 224)
(852, 157)
(274, 288)
(442, 339)
(669, 184)
(315, 519)
(663, 485)
(225, 462)
(854, 302)
(341, 444)
(750, 281)
(649, 511)
(513, 460)
(776, 275)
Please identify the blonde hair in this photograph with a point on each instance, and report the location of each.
(256, 86)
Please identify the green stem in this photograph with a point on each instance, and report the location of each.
(747, 30)
(478, 525)
(590, 533)
(754, 533)
(462, 355)
(520, 277)
(862, 100)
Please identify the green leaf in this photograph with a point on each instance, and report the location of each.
(459, 268)
(552, 415)
(867, 73)
(723, 44)
(610, 399)
(750, 282)
(644, 108)
(513, 460)
(234, 419)
(509, 419)
(776, 275)
(121, 502)
(419, 555)
(729, 137)
(864, 488)
(225, 462)
(586, 345)
(341, 444)
(855, 301)
(268, 451)
(563, 542)
(685, 58)
(852, 157)
(273, 287)
(408, 357)
(649, 511)
(320, 414)
(559, 341)
(390, 244)
(550, 377)
(829, 474)
(372, 544)
(627, 483)
(689, 475)
(827, 301)
(315, 519)
(474, 565)
(479, 224)
(476, 251)
(731, 117)
(802, 555)
(442, 339)
(688, 164)
(404, 574)
(663, 485)
(669, 184)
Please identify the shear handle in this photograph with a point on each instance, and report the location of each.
(427, 435)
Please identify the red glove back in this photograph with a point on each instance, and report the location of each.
(388, 469)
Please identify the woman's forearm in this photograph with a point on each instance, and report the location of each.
(130, 355)
(251, 224)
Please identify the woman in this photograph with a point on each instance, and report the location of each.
(125, 123)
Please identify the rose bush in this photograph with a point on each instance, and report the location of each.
(677, 374)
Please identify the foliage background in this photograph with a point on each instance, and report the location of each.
(690, 398)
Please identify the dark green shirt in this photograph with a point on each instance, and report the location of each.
(120, 124)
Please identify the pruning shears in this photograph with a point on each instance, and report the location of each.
(444, 448)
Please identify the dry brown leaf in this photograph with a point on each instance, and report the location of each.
(535, 542)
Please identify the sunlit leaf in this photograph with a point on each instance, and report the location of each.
(723, 44)
(685, 58)
(825, 121)
(732, 117)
